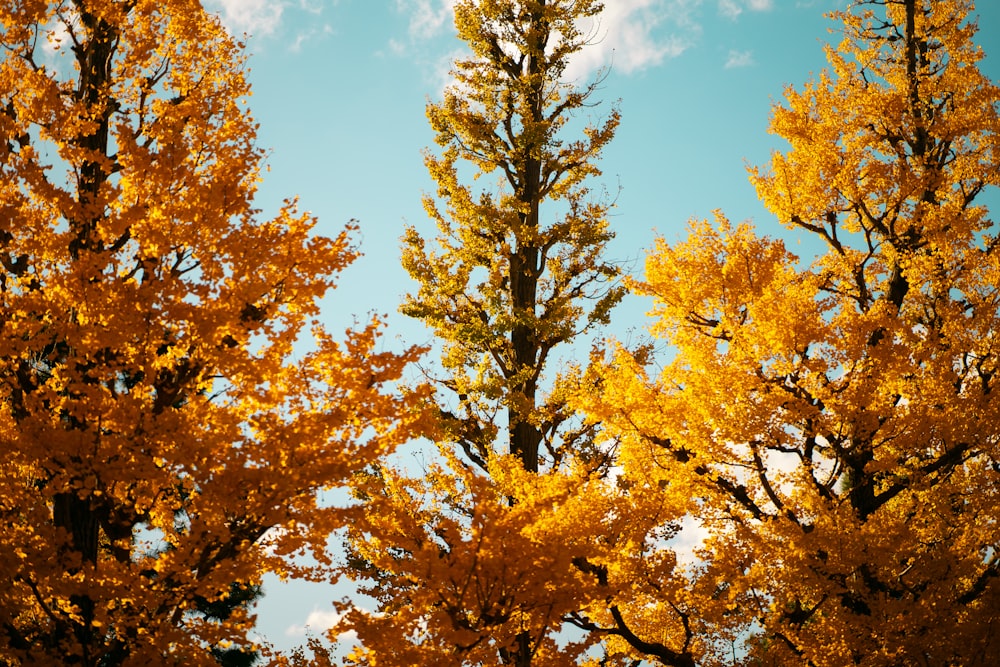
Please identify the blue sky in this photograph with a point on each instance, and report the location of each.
(340, 88)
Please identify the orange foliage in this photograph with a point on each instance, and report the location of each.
(161, 440)
(482, 559)
(834, 429)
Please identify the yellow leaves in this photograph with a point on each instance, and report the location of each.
(508, 282)
(476, 559)
(825, 424)
(161, 419)
(867, 144)
(743, 303)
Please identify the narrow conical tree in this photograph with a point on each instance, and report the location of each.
(470, 563)
(518, 269)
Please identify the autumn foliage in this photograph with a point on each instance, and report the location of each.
(161, 441)
(471, 560)
(832, 426)
(810, 477)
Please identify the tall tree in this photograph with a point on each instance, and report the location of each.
(835, 428)
(163, 446)
(460, 557)
(507, 284)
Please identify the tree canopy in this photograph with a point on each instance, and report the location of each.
(833, 426)
(471, 560)
(824, 430)
(162, 442)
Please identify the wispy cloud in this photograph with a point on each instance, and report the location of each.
(275, 19)
(428, 22)
(428, 18)
(731, 9)
(739, 59)
(310, 35)
(313, 6)
(397, 47)
(631, 35)
(318, 622)
(440, 72)
(56, 37)
(256, 17)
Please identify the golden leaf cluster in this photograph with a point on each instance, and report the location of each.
(812, 477)
(162, 442)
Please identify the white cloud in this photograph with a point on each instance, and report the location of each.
(739, 59)
(312, 7)
(441, 68)
(428, 18)
(56, 38)
(397, 47)
(257, 17)
(57, 32)
(631, 35)
(689, 539)
(428, 21)
(262, 18)
(318, 621)
(308, 36)
(731, 9)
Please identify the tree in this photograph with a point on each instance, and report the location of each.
(222, 609)
(164, 438)
(835, 428)
(505, 288)
(469, 563)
